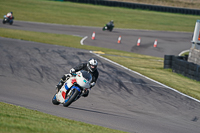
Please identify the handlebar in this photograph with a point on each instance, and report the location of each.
(73, 74)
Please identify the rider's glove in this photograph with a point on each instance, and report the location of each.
(63, 79)
(92, 84)
(72, 70)
(67, 76)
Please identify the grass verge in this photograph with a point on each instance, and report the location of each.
(16, 119)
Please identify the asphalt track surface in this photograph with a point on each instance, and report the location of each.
(120, 100)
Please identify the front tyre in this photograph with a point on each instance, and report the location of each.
(69, 99)
(54, 101)
(3, 21)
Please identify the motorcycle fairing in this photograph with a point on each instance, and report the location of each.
(60, 96)
(77, 82)
(66, 87)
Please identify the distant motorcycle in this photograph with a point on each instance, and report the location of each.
(108, 27)
(8, 20)
(72, 88)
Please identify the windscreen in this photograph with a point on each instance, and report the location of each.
(86, 75)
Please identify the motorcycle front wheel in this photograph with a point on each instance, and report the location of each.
(3, 21)
(69, 99)
(54, 101)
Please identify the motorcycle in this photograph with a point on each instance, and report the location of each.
(7, 20)
(108, 27)
(73, 88)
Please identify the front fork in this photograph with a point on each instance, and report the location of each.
(70, 92)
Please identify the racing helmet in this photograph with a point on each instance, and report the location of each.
(112, 21)
(92, 64)
(11, 13)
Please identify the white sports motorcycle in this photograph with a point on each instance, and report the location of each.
(72, 88)
(7, 20)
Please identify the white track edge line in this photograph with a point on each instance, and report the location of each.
(146, 77)
(83, 40)
(183, 52)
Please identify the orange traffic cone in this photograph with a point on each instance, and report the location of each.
(119, 39)
(93, 35)
(155, 43)
(138, 42)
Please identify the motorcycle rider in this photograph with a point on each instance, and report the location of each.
(90, 66)
(110, 24)
(10, 15)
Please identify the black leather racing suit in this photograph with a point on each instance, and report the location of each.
(83, 66)
(110, 25)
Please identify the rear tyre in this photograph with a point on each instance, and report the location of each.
(11, 22)
(71, 98)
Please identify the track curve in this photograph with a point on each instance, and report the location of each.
(120, 100)
(168, 43)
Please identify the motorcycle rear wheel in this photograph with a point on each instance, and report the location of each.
(111, 28)
(11, 22)
(71, 98)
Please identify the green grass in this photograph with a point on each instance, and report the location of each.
(186, 53)
(16, 119)
(90, 15)
(56, 39)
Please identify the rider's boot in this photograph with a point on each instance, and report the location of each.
(85, 93)
(60, 84)
(62, 81)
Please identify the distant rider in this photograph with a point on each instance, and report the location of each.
(110, 24)
(90, 66)
(10, 15)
